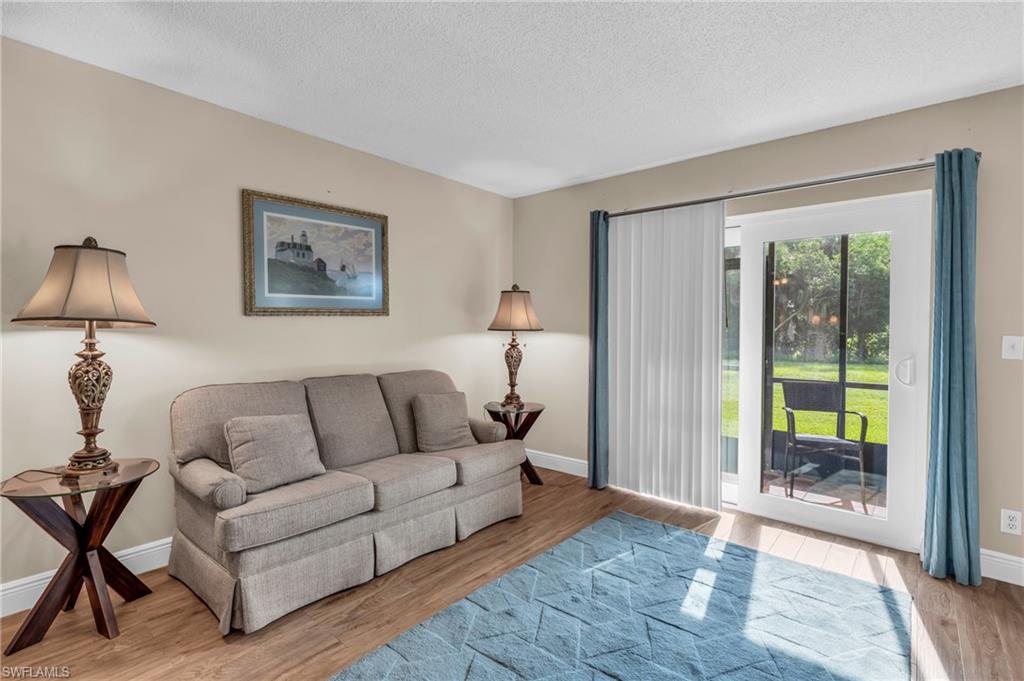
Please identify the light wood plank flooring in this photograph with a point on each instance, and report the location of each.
(958, 633)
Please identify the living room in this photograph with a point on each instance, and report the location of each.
(588, 437)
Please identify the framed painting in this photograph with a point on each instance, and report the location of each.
(307, 258)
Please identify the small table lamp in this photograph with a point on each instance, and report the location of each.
(515, 313)
(87, 287)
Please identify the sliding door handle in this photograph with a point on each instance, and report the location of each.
(905, 371)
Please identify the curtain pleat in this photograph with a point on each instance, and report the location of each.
(951, 542)
(664, 352)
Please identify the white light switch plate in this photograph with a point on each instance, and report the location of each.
(1013, 347)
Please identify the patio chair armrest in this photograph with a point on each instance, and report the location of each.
(790, 422)
(863, 424)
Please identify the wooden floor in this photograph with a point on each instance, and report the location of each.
(958, 633)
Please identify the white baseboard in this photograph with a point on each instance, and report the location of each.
(557, 462)
(21, 594)
(1002, 566)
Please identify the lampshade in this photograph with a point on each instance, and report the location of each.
(515, 312)
(86, 284)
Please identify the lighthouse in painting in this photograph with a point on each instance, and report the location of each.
(297, 252)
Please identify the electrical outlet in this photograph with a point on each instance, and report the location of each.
(1009, 521)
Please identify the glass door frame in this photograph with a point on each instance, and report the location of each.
(907, 217)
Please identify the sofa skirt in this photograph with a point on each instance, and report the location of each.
(251, 603)
(398, 544)
(250, 589)
(207, 579)
(487, 509)
(274, 593)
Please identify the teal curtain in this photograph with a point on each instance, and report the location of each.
(951, 545)
(597, 415)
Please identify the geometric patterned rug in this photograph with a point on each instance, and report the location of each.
(630, 598)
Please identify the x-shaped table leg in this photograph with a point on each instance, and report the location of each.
(88, 563)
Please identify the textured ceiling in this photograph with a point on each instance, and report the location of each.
(519, 98)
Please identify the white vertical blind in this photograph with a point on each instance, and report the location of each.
(664, 346)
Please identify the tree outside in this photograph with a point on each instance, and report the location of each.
(807, 297)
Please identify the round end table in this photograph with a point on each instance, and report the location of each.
(82, 533)
(518, 420)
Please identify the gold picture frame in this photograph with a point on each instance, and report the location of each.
(337, 266)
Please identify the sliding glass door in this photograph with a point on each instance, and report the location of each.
(826, 329)
(834, 304)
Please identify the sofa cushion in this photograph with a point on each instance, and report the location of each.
(478, 462)
(269, 556)
(292, 509)
(404, 477)
(399, 389)
(442, 422)
(198, 415)
(270, 451)
(350, 419)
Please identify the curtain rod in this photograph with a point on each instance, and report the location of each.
(905, 168)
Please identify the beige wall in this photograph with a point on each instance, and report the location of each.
(552, 259)
(86, 151)
(158, 175)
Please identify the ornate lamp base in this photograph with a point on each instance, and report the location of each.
(513, 358)
(512, 400)
(90, 380)
(74, 467)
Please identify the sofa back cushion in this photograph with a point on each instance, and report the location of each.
(399, 388)
(198, 415)
(350, 420)
(270, 451)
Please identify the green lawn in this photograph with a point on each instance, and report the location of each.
(872, 403)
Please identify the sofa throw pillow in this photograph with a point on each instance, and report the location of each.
(270, 451)
(442, 422)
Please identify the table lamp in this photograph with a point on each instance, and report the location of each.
(87, 287)
(515, 313)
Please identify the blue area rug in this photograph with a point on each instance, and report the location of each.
(629, 598)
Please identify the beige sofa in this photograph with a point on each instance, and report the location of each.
(253, 558)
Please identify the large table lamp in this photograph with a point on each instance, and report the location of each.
(515, 313)
(87, 287)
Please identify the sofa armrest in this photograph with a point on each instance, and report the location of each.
(205, 479)
(487, 431)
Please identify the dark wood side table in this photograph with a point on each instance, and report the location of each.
(82, 534)
(518, 421)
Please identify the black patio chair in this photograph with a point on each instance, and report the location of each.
(820, 396)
